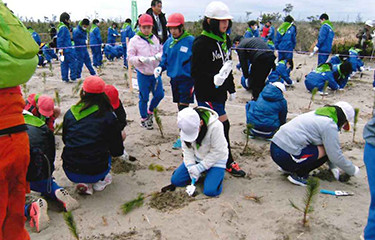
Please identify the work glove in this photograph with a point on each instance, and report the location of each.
(316, 49)
(146, 59)
(61, 55)
(226, 69)
(336, 173)
(356, 172)
(232, 96)
(195, 171)
(157, 72)
(158, 56)
(361, 69)
(219, 80)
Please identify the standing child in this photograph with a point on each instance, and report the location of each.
(112, 34)
(126, 32)
(286, 38)
(176, 60)
(96, 44)
(325, 39)
(252, 30)
(144, 53)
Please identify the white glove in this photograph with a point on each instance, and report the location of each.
(232, 96)
(158, 56)
(341, 89)
(247, 82)
(356, 172)
(145, 59)
(195, 171)
(190, 189)
(316, 49)
(288, 85)
(361, 69)
(103, 45)
(336, 173)
(157, 72)
(226, 68)
(373, 88)
(219, 80)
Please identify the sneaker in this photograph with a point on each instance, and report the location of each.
(84, 189)
(68, 202)
(38, 214)
(280, 169)
(100, 185)
(146, 124)
(177, 144)
(235, 170)
(150, 118)
(251, 135)
(301, 181)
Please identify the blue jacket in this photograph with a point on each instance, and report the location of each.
(36, 37)
(354, 59)
(112, 52)
(126, 32)
(95, 37)
(63, 38)
(80, 38)
(341, 79)
(287, 41)
(269, 112)
(335, 60)
(90, 139)
(251, 33)
(112, 35)
(325, 38)
(177, 59)
(318, 78)
(280, 74)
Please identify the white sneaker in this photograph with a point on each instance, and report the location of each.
(38, 214)
(100, 185)
(64, 197)
(126, 155)
(84, 189)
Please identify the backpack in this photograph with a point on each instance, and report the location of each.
(18, 50)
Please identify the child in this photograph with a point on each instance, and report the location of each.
(252, 30)
(286, 40)
(282, 73)
(39, 174)
(176, 60)
(355, 60)
(91, 136)
(311, 139)
(126, 32)
(204, 148)
(325, 39)
(112, 34)
(144, 53)
(95, 43)
(268, 112)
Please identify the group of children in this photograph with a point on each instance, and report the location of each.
(93, 129)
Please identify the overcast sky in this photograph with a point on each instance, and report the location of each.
(338, 10)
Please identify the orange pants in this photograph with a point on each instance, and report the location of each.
(14, 161)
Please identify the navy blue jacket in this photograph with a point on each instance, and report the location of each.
(269, 112)
(90, 141)
(177, 59)
(280, 74)
(126, 32)
(80, 38)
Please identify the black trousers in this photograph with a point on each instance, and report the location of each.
(260, 69)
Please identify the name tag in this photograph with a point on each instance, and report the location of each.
(184, 49)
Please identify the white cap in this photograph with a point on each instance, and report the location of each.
(217, 10)
(348, 111)
(188, 121)
(369, 23)
(279, 85)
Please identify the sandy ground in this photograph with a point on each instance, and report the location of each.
(230, 216)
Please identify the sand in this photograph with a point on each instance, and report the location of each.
(232, 215)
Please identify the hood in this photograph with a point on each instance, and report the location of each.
(271, 93)
(214, 116)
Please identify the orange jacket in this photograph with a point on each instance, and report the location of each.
(11, 107)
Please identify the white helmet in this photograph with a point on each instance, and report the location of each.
(217, 10)
(348, 111)
(369, 23)
(280, 86)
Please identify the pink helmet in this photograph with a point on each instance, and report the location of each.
(175, 20)
(145, 20)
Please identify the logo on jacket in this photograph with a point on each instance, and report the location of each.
(216, 55)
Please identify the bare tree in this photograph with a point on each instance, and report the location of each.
(288, 9)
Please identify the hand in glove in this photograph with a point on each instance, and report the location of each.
(219, 80)
(226, 69)
(232, 96)
(157, 72)
(336, 173)
(356, 172)
(361, 69)
(196, 170)
(158, 56)
(145, 59)
(316, 49)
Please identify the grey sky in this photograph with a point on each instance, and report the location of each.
(338, 10)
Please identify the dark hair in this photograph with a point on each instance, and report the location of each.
(269, 21)
(64, 17)
(324, 16)
(95, 21)
(289, 19)
(346, 68)
(341, 118)
(85, 22)
(213, 26)
(155, 2)
(114, 23)
(290, 61)
(251, 23)
(237, 38)
(29, 27)
(90, 99)
(128, 20)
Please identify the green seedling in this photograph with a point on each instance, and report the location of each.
(312, 190)
(158, 122)
(50, 68)
(44, 76)
(156, 167)
(248, 130)
(58, 127)
(356, 113)
(313, 93)
(70, 222)
(135, 203)
(77, 87)
(57, 98)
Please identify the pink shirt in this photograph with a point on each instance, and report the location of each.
(139, 47)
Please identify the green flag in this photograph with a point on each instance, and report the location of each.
(134, 12)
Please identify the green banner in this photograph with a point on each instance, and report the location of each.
(134, 12)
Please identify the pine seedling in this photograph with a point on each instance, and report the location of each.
(58, 127)
(69, 220)
(325, 89)
(156, 167)
(77, 87)
(44, 76)
(126, 77)
(135, 203)
(356, 113)
(312, 190)
(249, 126)
(313, 93)
(158, 122)
(50, 68)
(57, 98)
